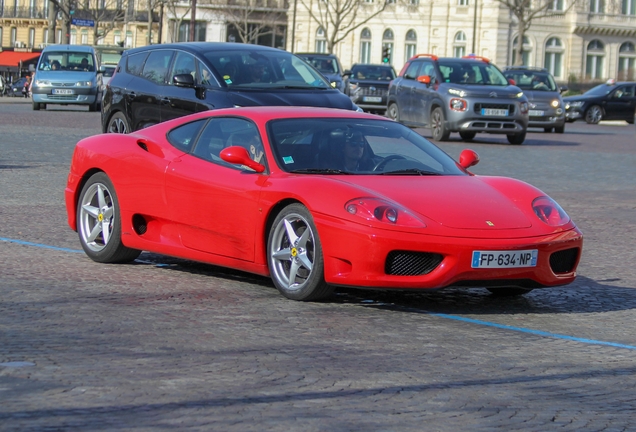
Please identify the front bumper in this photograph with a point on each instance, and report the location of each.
(573, 114)
(80, 96)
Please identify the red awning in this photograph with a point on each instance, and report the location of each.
(12, 58)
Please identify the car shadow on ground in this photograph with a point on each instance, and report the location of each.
(585, 295)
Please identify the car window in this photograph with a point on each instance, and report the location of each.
(458, 72)
(411, 71)
(428, 68)
(323, 64)
(184, 63)
(623, 92)
(68, 61)
(533, 80)
(183, 136)
(375, 73)
(205, 76)
(135, 63)
(156, 66)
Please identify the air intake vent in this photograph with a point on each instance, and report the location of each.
(564, 261)
(406, 263)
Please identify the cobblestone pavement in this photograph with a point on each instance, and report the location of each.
(165, 343)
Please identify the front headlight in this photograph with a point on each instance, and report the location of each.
(42, 83)
(549, 211)
(555, 103)
(84, 84)
(460, 93)
(375, 209)
(575, 104)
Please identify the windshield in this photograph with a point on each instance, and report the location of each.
(600, 90)
(325, 65)
(67, 61)
(475, 72)
(355, 146)
(373, 73)
(272, 70)
(536, 81)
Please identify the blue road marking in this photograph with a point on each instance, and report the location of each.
(440, 315)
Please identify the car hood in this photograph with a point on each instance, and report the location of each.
(65, 76)
(314, 98)
(461, 202)
(540, 95)
(376, 83)
(579, 98)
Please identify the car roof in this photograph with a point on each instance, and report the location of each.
(202, 47)
(74, 48)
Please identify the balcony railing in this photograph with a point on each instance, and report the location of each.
(23, 12)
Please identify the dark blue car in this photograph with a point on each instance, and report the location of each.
(368, 85)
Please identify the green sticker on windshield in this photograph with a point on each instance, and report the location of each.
(288, 159)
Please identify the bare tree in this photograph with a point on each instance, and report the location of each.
(179, 12)
(106, 14)
(339, 18)
(253, 18)
(64, 8)
(527, 11)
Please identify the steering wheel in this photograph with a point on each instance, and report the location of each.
(380, 165)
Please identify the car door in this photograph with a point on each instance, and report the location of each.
(215, 204)
(405, 90)
(423, 94)
(146, 92)
(180, 101)
(620, 103)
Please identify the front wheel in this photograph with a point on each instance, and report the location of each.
(118, 124)
(516, 138)
(559, 129)
(99, 222)
(393, 112)
(509, 292)
(467, 136)
(36, 106)
(438, 125)
(594, 114)
(294, 255)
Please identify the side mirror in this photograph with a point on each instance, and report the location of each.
(468, 158)
(183, 80)
(563, 89)
(511, 81)
(238, 155)
(424, 79)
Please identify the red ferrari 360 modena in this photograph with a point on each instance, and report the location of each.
(315, 198)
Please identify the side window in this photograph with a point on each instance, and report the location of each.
(183, 64)
(183, 136)
(411, 72)
(428, 68)
(205, 77)
(156, 66)
(135, 63)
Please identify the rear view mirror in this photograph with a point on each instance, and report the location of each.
(238, 155)
(468, 158)
(511, 81)
(424, 79)
(183, 80)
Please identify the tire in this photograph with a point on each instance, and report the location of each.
(467, 136)
(93, 107)
(559, 129)
(509, 292)
(438, 126)
(594, 114)
(118, 124)
(294, 256)
(516, 139)
(36, 106)
(393, 112)
(547, 130)
(99, 222)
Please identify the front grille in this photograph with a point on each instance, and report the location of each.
(564, 261)
(509, 107)
(406, 263)
(377, 91)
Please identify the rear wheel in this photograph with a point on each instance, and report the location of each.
(118, 124)
(509, 292)
(94, 106)
(438, 125)
(393, 112)
(294, 255)
(99, 222)
(594, 114)
(36, 106)
(547, 130)
(467, 136)
(516, 138)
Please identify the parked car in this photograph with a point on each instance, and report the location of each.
(468, 95)
(156, 83)
(273, 191)
(610, 101)
(546, 108)
(67, 75)
(367, 85)
(15, 89)
(328, 65)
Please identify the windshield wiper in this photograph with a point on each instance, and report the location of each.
(300, 87)
(411, 171)
(319, 171)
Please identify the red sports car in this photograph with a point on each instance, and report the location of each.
(315, 198)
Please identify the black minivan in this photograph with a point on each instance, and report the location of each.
(156, 83)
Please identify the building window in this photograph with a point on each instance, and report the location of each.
(627, 62)
(116, 37)
(45, 36)
(365, 46)
(459, 44)
(526, 51)
(58, 36)
(200, 28)
(129, 39)
(13, 36)
(462, 2)
(1, 34)
(594, 60)
(597, 6)
(387, 45)
(629, 7)
(413, 2)
(553, 60)
(410, 46)
(556, 5)
(73, 38)
(84, 36)
(321, 41)
(32, 9)
(31, 37)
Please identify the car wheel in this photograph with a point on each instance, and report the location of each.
(36, 106)
(99, 222)
(93, 107)
(118, 124)
(594, 114)
(516, 138)
(294, 255)
(509, 292)
(438, 126)
(547, 130)
(559, 129)
(467, 136)
(393, 112)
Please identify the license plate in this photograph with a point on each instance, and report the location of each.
(535, 113)
(63, 91)
(504, 259)
(371, 99)
(494, 112)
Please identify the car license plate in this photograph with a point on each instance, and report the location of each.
(535, 113)
(494, 112)
(371, 99)
(63, 91)
(504, 259)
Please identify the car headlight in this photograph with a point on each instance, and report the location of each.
(575, 104)
(42, 83)
(554, 103)
(375, 209)
(83, 84)
(353, 86)
(549, 211)
(518, 95)
(460, 93)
